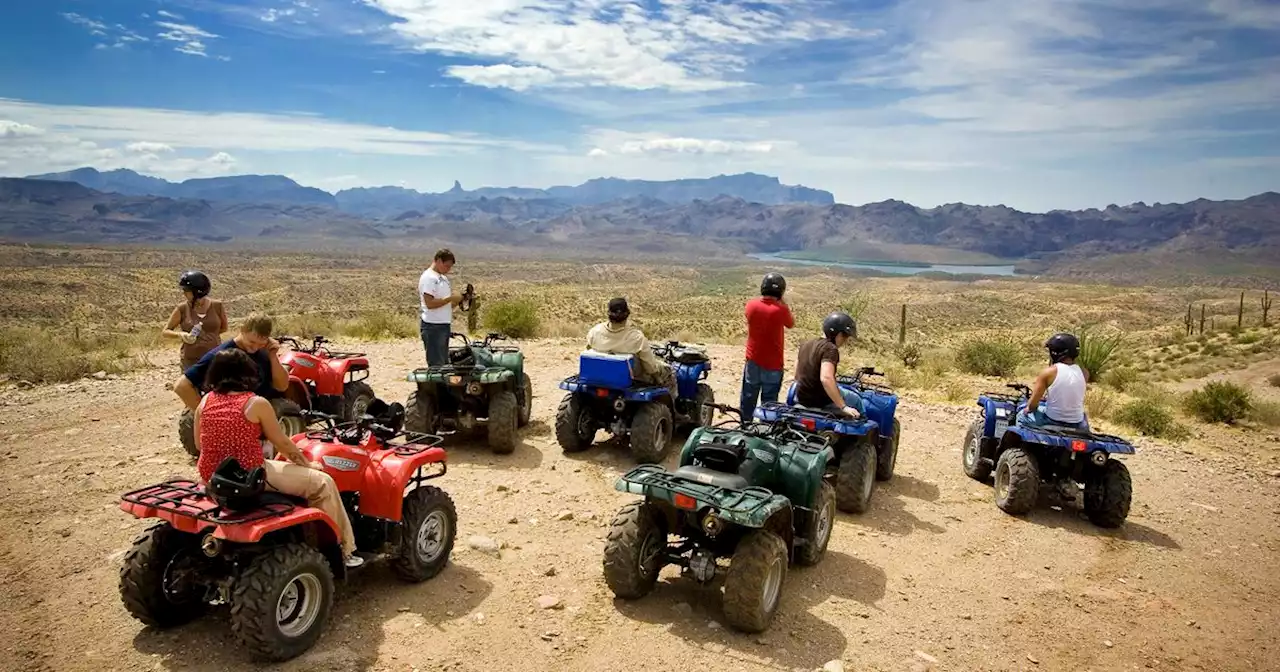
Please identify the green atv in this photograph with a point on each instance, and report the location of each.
(755, 495)
(481, 382)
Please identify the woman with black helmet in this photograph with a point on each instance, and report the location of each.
(816, 364)
(199, 321)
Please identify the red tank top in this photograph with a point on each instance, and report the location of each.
(225, 432)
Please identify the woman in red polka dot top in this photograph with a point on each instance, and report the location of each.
(230, 422)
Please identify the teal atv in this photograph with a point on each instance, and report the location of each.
(755, 495)
(482, 384)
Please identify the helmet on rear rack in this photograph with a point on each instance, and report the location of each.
(773, 285)
(839, 323)
(1062, 346)
(195, 282)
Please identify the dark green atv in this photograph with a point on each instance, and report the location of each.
(754, 495)
(482, 383)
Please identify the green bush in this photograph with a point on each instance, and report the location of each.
(1151, 418)
(1097, 348)
(381, 324)
(1099, 402)
(42, 356)
(517, 318)
(998, 358)
(1220, 401)
(855, 304)
(909, 353)
(1266, 412)
(1120, 378)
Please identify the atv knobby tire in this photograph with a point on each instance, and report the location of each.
(504, 420)
(260, 590)
(971, 452)
(1017, 481)
(187, 432)
(525, 398)
(429, 525)
(355, 400)
(855, 478)
(635, 551)
(1108, 492)
(420, 412)
(702, 415)
(817, 531)
(142, 578)
(571, 416)
(753, 584)
(651, 433)
(289, 415)
(887, 458)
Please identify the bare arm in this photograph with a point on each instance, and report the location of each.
(187, 392)
(791, 321)
(222, 319)
(832, 389)
(433, 302)
(279, 377)
(259, 410)
(171, 329)
(196, 426)
(1040, 386)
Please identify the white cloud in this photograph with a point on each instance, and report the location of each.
(148, 148)
(94, 27)
(188, 37)
(679, 45)
(117, 36)
(597, 152)
(12, 129)
(168, 15)
(666, 145)
(272, 15)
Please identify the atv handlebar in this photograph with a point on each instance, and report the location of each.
(1026, 391)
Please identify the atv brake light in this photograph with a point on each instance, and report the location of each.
(1078, 446)
(809, 424)
(601, 392)
(455, 380)
(685, 502)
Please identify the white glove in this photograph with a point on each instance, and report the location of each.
(188, 339)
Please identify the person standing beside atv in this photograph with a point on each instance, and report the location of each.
(199, 321)
(767, 319)
(437, 300)
(816, 368)
(255, 340)
(619, 337)
(229, 420)
(1061, 387)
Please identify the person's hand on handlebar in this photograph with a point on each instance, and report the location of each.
(851, 412)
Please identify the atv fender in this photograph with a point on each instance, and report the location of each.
(385, 481)
(297, 393)
(311, 521)
(1080, 444)
(992, 410)
(802, 471)
(338, 370)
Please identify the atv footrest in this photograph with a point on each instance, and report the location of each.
(742, 501)
(188, 498)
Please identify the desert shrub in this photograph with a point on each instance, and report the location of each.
(1214, 349)
(305, 325)
(1193, 347)
(43, 356)
(956, 391)
(380, 324)
(989, 357)
(1249, 338)
(1220, 401)
(1120, 378)
(1151, 418)
(1274, 380)
(1266, 412)
(1099, 402)
(517, 318)
(936, 364)
(1097, 349)
(856, 303)
(909, 353)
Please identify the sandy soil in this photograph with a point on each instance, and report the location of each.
(933, 577)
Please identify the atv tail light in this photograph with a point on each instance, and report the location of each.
(455, 380)
(683, 501)
(602, 393)
(809, 424)
(1078, 446)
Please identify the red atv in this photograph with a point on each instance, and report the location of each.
(274, 559)
(323, 380)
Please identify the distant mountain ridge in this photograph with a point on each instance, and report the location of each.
(384, 202)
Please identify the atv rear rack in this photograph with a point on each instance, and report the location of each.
(863, 384)
(188, 498)
(743, 501)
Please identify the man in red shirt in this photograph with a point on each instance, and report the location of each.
(767, 318)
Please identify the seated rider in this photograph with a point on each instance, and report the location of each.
(619, 337)
(229, 420)
(816, 369)
(1061, 387)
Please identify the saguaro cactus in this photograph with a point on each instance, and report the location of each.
(1266, 307)
(1189, 323)
(1240, 314)
(1202, 319)
(902, 326)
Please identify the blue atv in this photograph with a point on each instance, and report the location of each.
(605, 395)
(1025, 457)
(866, 448)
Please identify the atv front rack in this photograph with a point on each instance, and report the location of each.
(744, 501)
(188, 498)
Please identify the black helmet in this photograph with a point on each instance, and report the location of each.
(773, 285)
(1062, 346)
(195, 281)
(618, 310)
(839, 323)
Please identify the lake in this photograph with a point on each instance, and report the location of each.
(955, 269)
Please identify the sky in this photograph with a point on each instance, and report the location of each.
(1036, 104)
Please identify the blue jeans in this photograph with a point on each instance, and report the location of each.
(1039, 419)
(435, 339)
(758, 383)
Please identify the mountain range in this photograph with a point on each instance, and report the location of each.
(578, 219)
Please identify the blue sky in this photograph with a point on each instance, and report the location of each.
(1037, 104)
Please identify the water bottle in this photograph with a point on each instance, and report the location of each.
(195, 331)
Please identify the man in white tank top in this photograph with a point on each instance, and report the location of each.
(1057, 396)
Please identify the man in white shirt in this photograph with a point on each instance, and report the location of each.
(436, 301)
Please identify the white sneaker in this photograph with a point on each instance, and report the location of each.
(353, 561)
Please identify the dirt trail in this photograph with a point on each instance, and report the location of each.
(933, 577)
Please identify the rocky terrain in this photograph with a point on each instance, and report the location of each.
(933, 577)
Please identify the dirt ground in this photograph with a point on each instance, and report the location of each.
(933, 577)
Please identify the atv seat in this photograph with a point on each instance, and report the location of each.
(719, 479)
(1063, 429)
(461, 356)
(280, 498)
(720, 456)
